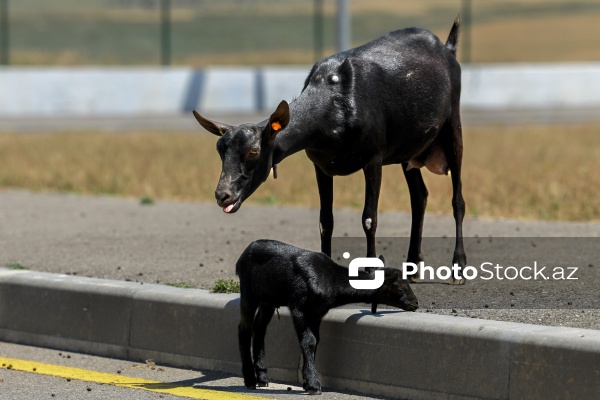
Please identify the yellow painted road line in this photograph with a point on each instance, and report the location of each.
(120, 380)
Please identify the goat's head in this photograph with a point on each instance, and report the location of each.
(247, 155)
(396, 292)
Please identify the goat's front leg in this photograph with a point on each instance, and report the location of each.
(262, 319)
(372, 173)
(308, 344)
(325, 185)
(418, 202)
(369, 217)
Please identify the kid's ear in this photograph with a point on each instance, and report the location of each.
(392, 278)
(279, 119)
(214, 127)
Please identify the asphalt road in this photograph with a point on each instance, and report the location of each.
(28, 385)
(195, 244)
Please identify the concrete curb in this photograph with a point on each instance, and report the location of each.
(396, 354)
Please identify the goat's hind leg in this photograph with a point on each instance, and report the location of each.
(418, 202)
(308, 344)
(454, 152)
(245, 328)
(262, 319)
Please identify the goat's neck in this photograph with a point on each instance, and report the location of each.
(301, 133)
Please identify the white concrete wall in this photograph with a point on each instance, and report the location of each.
(85, 91)
(515, 86)
(126, 91)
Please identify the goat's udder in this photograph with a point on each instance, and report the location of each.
(435, 162)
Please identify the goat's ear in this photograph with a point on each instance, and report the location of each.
(392, 278)
(214, 127)
(279, 119)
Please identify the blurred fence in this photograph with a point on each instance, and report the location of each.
(259, 32)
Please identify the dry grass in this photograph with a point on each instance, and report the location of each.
(550, 38)
(530, 172)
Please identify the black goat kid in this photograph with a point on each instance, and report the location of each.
(274, 274)
(394, 100)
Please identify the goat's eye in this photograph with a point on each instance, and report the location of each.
(252, 152)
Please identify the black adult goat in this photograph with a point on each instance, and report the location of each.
(395, 100)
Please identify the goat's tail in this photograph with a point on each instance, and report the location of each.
(452, 41)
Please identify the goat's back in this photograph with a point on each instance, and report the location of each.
(391, 96)
(395, 61)
(274, 272)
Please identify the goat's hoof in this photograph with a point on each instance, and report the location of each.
(460, 281)
(262, 379)
(312, 389)
(250, 384)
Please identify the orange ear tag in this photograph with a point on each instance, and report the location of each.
(276, 126)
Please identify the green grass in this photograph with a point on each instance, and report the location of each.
(146, 201)
(180, 285)
(226, 286)
(16, 266)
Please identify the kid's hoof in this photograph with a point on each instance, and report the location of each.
(250, 384)
(413, 279)
(460, 281)
(312, 389)
(262, 379)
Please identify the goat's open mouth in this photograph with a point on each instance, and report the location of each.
(233, 207)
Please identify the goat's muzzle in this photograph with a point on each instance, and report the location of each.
(227, 201)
